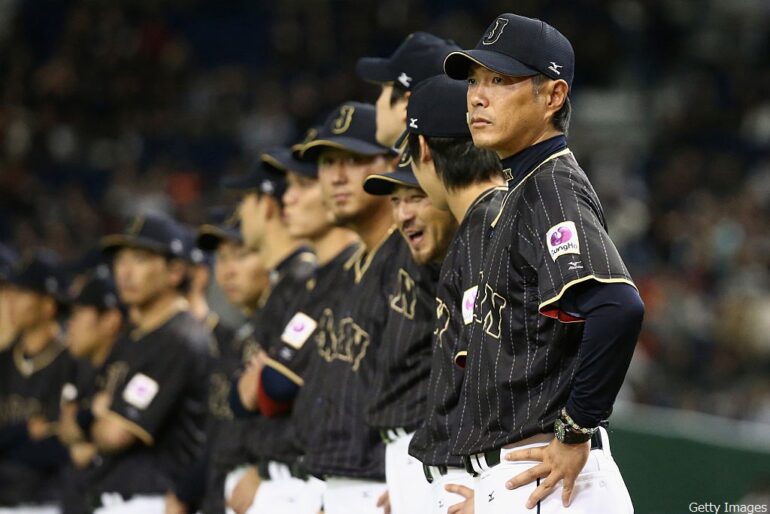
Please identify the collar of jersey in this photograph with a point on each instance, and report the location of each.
(518, 165)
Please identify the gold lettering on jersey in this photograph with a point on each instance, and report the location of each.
(342, 123)
(442, 321)
(115, 376)
(405, 299)
(345, 341)
(249, 348)
(491, 309)
(17, 409)
(219, 396)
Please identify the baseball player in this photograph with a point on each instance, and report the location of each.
(33, 372)
(149, 418)
(556, 315)
(420, 55)
(466, 181)
(243, 279)
(289, 363)
(398, 403)
(341, 447)
(96, 319)
(401, 382)
(290, 264)
(7, 326)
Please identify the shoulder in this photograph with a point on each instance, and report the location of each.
(187, 333)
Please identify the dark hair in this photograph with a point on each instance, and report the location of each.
(560, 120)
(397, 93)
(458, 162)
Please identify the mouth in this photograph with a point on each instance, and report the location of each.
(478, 122)
(415, 238)
(340, 198)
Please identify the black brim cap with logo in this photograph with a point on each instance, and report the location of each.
(283, 160)
(420, 55)
(223, 225)
(517, 46)
(156, 233)
(351, 127)
(42, 274)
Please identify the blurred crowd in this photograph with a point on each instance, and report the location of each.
(108, 109)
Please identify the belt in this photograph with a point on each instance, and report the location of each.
(433, 473)
(276, 470)
(476, 463)
(391, 435)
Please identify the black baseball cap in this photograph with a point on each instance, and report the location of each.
(437, 108)
(193, 254)
(381, 184)
(282, 159)
(41, 274)
(351, 127)
(262, 178)
(98, 291)
(154, 232)
(7, 262)
(420, 55)
(223, 225)
(517, 46)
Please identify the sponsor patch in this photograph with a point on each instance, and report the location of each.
(562, 239)
(140, 391)
(469, 300)
(298, 330)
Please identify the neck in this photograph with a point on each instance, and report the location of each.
(277, 247)
(36, 339)
(157, 311)
(546, 133)
(199, 307)
(460, 201)
(332, 242)
(100, 356)
(373, 227)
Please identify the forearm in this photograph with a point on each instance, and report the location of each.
(613, 316)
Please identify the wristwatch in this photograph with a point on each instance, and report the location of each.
(569, 432)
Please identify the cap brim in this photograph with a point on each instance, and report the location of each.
(374, 69)
(113, 243)
(356, 146)
(457, 64)
(211, 236)
(385, 184)
(284, 161)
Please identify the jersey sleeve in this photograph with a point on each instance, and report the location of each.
(292, 353)
(151, 392)
(563, 238)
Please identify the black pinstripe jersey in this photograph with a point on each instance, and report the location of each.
(455, 296)
(400, 387)
(523, 350)
(158, 383)
(271, 438)
(347, 339)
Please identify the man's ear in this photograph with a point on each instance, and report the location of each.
(425, 155)
(177, 272)
(401, 104)
(557, 96)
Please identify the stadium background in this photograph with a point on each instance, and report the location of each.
(108, 108)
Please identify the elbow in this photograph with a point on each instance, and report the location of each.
(109, 437)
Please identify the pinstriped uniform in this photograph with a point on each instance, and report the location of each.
(549, 235)
(459, 273)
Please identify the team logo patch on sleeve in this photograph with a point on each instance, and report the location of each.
(562, 239)
(140, 391)
(469, 300)
(298, 330)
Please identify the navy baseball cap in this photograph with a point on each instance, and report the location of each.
(223, 225)
(7, 262)
(282, 159)
(98, 291)
(421, 55)
(262, 179)
(41, 274)
(154, 232)
(192, 253)
(436, 108)
(381, 184)
(351, 127)
(517, 46)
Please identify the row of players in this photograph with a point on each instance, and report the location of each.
(446, 337)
